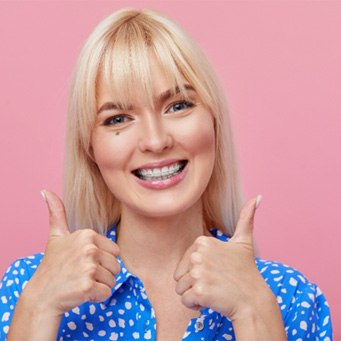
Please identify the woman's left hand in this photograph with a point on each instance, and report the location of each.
(224, 277)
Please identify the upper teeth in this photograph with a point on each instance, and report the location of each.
(163, 172)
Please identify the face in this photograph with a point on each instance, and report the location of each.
(156, 161)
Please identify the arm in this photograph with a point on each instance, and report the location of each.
(33, 322)
(260, 321)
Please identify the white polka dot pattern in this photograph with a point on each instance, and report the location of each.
(128, 314)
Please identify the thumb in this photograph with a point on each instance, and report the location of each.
(244, 229)
(57, 215)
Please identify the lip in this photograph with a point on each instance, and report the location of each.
(158, 164)
(162, 184)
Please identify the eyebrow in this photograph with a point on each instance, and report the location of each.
(169, 93)
(109, 106)
(164, 96)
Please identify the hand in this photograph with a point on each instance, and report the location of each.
(77, 267)
(223, 276)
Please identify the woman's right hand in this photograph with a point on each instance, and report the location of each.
(77, 267)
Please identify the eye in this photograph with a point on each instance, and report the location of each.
(117, 120)
(179, 106)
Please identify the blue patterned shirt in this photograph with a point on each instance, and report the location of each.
(128, 315)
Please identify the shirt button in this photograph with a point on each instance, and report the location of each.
(199, 326)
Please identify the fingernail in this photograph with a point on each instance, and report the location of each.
(43, 195)
(258, 200)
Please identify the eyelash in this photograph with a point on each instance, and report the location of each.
(110, 120)
(187, 103)
(124, 118)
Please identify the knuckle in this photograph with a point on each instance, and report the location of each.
(77, 233)
(204, 244)
(117, 267)
(106, 293)
(87, 289)
(112, 282)
(201, 241)
(245, 214)
(101, 295)
(195, 273)
(177, 289)
(196, 258)
(91, 271)
(116, 249)
(57, 212)
(184, 300)
(58, 209)
(88, 235)
(90, 251)
(198, 290)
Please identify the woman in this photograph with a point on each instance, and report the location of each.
(151, 197)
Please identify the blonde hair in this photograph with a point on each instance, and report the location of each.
(118, 50)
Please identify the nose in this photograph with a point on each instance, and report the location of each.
(155, 137)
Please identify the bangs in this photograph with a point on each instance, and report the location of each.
(126, 66)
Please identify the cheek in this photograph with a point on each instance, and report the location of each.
(109, 151)
(201, 137)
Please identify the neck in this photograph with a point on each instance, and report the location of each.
(154, 245)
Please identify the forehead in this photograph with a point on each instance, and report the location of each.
(141, 87)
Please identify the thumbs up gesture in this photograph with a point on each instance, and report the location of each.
(77, 267)
(223, 276)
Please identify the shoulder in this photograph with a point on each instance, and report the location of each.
(20, 271)
(285, 280)
(29, 262)
(277, 274)
(304, 308)
(11, 286)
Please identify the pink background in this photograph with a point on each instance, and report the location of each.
(280, 63)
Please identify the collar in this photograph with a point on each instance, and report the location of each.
(126, 276)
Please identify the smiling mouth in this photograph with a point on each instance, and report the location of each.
(164, 173)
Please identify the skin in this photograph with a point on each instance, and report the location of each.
(197, 270)
(172, 130)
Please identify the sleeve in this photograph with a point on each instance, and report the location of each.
(304, 308)
(11, 286)
(308, 317)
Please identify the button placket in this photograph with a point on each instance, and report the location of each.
(199, 326)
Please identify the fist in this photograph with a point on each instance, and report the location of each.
(77, 267)
(219, 275)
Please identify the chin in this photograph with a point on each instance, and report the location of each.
(168, 209)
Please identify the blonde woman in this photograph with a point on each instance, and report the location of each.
(153, 243)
